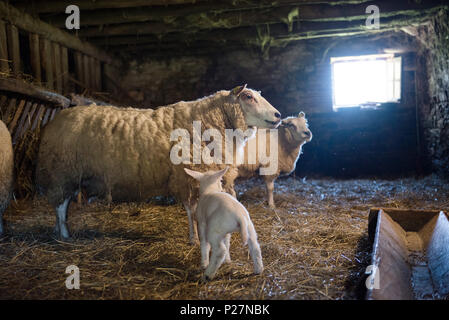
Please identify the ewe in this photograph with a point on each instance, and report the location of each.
(293, 134)
(123, 154)
(218, 215)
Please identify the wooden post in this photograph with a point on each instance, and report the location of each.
(30, 115)
(35, 57)
(87, 73)
(4, 67)
(65, 69)
(57, 66)
(98, 75)
(14, 48)
(79, 69)
(38, 118)
(17, 114)
(23, 117)
(47, 62)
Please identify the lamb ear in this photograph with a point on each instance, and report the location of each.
(194, 174)
(219, 174)
(237, 90)
(301, 115)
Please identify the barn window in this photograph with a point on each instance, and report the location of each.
(365, 80)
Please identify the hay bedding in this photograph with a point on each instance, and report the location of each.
(314, 245)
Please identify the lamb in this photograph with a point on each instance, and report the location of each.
(6, 171)
(218, 215)
(125, 154)
(293, 133)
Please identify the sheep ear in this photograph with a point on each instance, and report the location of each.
(301, 115)
(219, 174)
(237, 90)
(194, 174)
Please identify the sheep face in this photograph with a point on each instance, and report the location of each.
(258, 111)
(298, 127)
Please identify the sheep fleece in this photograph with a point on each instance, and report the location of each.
(6, 167)
(124, 153)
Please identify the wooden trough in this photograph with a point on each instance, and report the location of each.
(410, 255)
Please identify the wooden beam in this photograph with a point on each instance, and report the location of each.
(57, 67)
(60, 5)
(92, 73)
(35, 57)
(65, 69)
(253, 35)
(14, 48)
(47, 62)
(30, 24)
(27, 89)
(218, 15)
(86, 71)
(79, 68)
(97, 72)
(4, 65)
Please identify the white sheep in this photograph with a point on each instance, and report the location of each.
(6, 171)
(123, 154)
(293, 133)
(218, 215)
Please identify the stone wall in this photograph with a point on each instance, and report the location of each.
(434, 105)
(298, 78)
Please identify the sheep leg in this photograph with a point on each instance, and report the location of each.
(61, 220)
(205, 246)
(270, 189)
(217, 258)
(228, 244)
(254, 249)
(193, 232)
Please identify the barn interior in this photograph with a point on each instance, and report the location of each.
(380, 136)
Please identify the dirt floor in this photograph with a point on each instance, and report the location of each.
(314, 245)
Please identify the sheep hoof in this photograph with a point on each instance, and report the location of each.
(258, 271)
(194, 242)
(272, 206)
(204, 265)
(205, 278)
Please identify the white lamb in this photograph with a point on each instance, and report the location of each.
(218, 215)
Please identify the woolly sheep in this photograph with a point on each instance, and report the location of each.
(218, 215)
(6, 171)
(123, 154)
(293, 133)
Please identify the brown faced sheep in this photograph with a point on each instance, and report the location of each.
(293, 133)
(125, 154)
(6, 171)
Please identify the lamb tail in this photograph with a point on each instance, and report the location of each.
(244, 230)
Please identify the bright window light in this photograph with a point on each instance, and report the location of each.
(366, 80)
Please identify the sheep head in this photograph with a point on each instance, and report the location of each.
(298, 127)
(257, 110)
(210, 181)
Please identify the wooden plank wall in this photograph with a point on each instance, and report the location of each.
(49, 62)
(25, 119)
